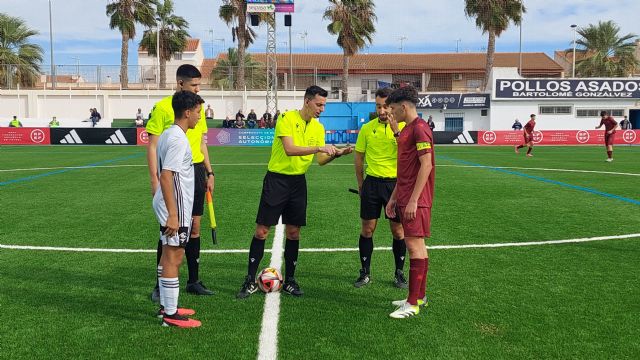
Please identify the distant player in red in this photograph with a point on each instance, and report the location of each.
(413, 195)
(610, 126)
(528, 136)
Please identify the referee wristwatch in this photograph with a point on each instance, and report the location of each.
(396, 134)
(210, 173)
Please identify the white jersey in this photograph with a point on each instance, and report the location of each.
(174, 153)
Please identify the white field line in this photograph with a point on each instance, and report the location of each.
(321, 250)
(264, 164)
(268, 343)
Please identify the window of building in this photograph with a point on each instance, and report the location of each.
(336, 86)
(177, 56)
(453, 121)
(473, 84)
(483, 112)
(555, 110)
(369, 85)
(595, 113)
(440, 82)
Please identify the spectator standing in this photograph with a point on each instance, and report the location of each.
(15, 122)
(240, 115)
(268, 118)
(517, 125)
(625, 124)
(430, 122)
(54, 123)
(209, 112)
(139, 118)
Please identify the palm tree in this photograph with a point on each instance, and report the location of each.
(493, 18)
(352, 21)
(173, 37)
(603, 52)
(125, 14)
(234, 14)
(226, 71)
(19, 60)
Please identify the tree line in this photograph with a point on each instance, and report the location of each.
(601, 50)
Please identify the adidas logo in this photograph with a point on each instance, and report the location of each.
(71, 138)
(116, 138)
(464, 138)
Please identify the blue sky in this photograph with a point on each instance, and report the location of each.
(81, 31)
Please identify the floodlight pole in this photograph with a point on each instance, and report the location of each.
(573, 67)
(53, 67)
(158, 25)
(290, 58)
(520, 53)
(272, 65)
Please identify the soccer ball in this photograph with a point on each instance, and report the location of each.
(270, 280)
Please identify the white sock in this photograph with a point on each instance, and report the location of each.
(169, 289)
(159, 276)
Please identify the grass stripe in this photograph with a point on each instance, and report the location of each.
(38, 176)
(549, 181)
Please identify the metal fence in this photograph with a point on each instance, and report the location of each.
(362, 82)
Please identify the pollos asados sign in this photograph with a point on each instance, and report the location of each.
(567, 89)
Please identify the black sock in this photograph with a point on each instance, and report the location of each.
(256, 251)
(399, 253)
(192, 253)
(158, 256)
(529, 151)
(290, 258)
(366, 250)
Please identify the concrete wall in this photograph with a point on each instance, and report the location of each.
(36, 107)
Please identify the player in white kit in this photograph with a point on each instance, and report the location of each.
(173, 203)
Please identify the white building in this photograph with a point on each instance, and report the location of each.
(559, 104)
(192, 54)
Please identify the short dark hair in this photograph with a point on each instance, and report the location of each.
(183, 101)
(188, 72)
(383, 93)
(314, 90)
(532, 115)
(407, 93)
(603, 113)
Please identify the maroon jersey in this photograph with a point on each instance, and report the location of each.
(530, 126)
(415, 140)
(609, 123)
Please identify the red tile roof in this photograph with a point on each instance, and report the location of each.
(191, 46)
(532, 63)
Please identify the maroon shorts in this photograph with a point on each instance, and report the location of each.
(608, 138)
(418, 227)
(528, 139)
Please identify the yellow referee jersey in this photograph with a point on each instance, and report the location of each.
(162, 117)
(380, 147)
(303, 134)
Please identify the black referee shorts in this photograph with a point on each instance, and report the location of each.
(284, 195)
(375, 195)
(200, 187)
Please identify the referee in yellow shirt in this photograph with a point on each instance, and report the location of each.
(378, 146)
(298, 137)
(188, 78)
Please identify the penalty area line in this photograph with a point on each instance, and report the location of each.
(321, 250)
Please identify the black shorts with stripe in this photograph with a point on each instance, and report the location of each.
(375, 195)
(200, 188)
(284, 195)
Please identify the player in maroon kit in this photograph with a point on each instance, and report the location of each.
(413, 194)
(528, 136)
(610, 126)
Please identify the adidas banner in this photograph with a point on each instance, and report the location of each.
(455, 137)
(94, 136)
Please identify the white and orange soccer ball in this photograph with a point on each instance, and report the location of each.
(270, 280)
